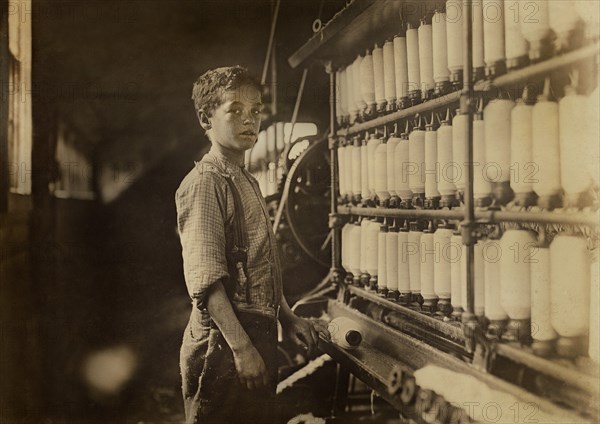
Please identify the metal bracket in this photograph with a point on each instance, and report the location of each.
(333, 143)
(468, 103)
(335, 220)
(482, 348)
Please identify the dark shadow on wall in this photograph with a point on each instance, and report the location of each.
(114, 321)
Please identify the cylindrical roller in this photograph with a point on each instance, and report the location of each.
(391, 261)
(414, 261)
(457, 256)
(401, 69)
(348, 173)
(590, 13)
(454, 32)
(367, 81)
(356, 169)
(345, 333)
(373, 252)
(518, 249)
(459, 145)
(535, 27)
(364, 236)
(402, 160)
(379, 78)
(430, 170)
(341, 170)
(478, 45)
(521, 156)
(569, 293)
(382, 278)
(346, 245)
(403, 265)
(546, 151)
(594, 341)
(445, 253)
(391, 164)
(497, 148)
(427, 251)
(566, 24)
(354, 252)
(592, 137)
(482, 187)
(425, 37)
(517, 47)
(372, 144)
(272, 179)
(364, 172)
(343, 95)
(381, 173)
(573, 152)
(441, 73)
(446, 183)
(414, 71)
(542, 332)
(357, 86)
(463, 278)
(389, 75)
(350, 90)
(494, 311)
(493, 36)
(416, 158)
(344, 249)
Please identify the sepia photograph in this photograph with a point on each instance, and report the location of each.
(299, 211)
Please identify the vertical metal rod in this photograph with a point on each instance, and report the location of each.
(466, 108)
(298, 101)
(4, 101)
(263, 78)
(274, 82)
(335, 239)
(340, 400)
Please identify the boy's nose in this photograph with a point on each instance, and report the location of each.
(249, 118)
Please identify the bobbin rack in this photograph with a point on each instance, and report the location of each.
(498, 83)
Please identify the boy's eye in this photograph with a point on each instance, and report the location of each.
(256, 111)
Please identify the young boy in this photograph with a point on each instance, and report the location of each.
(231, 265)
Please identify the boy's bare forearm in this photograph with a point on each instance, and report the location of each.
(220, 310)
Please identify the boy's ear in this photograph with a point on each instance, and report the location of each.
(204, 120)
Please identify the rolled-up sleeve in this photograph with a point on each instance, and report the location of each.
(201, 216)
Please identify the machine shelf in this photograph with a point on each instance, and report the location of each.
(437, 104)
(576, 383)
(515, 79)
(357, 26)
(588, 219)
(524, 76)
(385, 350)
(571, 376)
(450, 330)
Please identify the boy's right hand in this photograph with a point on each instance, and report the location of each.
(250, 367)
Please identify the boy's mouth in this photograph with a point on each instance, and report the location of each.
(252, 133)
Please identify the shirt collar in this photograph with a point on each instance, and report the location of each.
(223, 161)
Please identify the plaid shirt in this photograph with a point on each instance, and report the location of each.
(205, 209)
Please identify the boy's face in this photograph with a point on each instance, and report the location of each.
(236, 121)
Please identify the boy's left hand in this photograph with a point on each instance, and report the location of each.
(305, 333)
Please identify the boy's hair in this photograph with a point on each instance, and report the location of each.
(208, 89)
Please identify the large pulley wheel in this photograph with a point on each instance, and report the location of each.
(308, 200)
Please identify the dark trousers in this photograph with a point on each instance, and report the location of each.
(212, 392)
